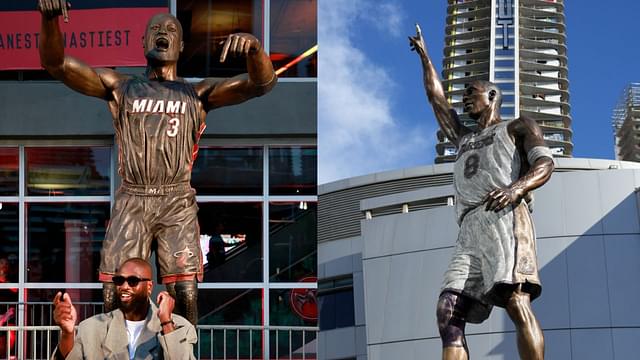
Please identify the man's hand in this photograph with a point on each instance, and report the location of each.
(499, 199)
(240, 44)
(53, 8)
(64, 313)
(417, 43)
(165, 306)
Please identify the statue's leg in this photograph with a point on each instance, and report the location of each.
(171, 289)
(109, 296)
(529, 334)
(125, 231)
(186, 295)
(451, 312)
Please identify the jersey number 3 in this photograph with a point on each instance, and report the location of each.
(174, 123)
(471, 166)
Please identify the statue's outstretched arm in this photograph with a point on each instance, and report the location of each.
(445, 114)
(72, 72)
(259, 79)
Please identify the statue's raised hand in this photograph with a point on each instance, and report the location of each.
(239, 44)
(417, 43)
(53, 8)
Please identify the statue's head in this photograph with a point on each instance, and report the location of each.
(481, 96)
(163, 39)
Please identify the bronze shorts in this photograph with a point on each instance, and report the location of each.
(163, 218)
(494, 252)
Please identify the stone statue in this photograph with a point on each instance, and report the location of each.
(158, 120)
(494, 262)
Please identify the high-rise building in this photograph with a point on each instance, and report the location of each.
(626, 124)
(520, 46)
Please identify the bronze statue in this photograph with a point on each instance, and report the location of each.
(158, 120)
(494, 262)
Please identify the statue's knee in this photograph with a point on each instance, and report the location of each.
(518, 306)
(451, 323)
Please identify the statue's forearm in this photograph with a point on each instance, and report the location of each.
(441, 108)
(432, 83)
(51, 46)
(261, 71)
(537, 176)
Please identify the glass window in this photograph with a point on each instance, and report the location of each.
(293, 171)
(64, 241)
(506, 87)
(504, 74)
(508, 98)
(230, 307)
(504, 63)
(228, 171)
(39, 307)
(293, 307)
(507, 110)
(68, 171)
(294, 37)
(292, 241)
(335, 297)
(206, 24)
(39, 312)
(8, 171)
(231, 241)
(450, 151)
(557, 150)
(337, 309)
(8, 245)
(504, 52)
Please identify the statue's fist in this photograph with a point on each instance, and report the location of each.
(239, 44)
(53, 8)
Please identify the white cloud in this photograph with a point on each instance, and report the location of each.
(357, 131)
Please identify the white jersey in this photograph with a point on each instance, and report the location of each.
(486, 161)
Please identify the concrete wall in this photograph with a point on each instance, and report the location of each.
(349, 342)
(588, 251)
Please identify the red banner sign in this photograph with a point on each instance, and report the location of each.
(99, 37)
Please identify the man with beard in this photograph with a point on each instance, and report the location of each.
(158, 119)
(137, 329)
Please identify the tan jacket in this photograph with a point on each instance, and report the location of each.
(104, 336)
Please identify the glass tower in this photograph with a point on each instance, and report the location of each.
(626, 124)
(520, 46)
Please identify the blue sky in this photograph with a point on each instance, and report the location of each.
(372, 110)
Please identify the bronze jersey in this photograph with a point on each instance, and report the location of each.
(157, 128)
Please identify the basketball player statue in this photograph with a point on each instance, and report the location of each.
(158, 120)
(494, 262)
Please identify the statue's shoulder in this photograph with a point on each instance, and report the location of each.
(523, 124)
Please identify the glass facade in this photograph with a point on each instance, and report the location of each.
(206, 25)
(291, 25)
(336, 302)
(293, 44)
(259, 249)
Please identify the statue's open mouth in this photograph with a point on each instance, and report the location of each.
(162, 43)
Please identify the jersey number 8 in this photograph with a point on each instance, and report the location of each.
(471, 166)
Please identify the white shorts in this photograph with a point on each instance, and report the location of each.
(493, 251)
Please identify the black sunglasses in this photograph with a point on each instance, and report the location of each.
(132, 280)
